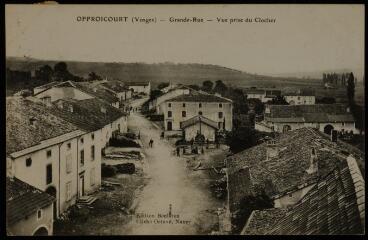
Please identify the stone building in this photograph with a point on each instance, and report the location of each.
(140, 87)
(262, 94)
(335, 205)
(300, 97)
(214, 109)
(42, 150)
(54, 91)
(285, 168)
(325, 117)
(156, 104)
(57, 148)
(28, 209)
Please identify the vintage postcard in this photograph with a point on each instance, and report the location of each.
(221, 119)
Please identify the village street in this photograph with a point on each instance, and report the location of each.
(171, 185)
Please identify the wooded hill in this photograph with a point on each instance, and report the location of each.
(163, 72)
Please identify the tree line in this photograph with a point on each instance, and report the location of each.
(18, 80)
(338, 78)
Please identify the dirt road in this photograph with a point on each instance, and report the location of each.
(171, 186)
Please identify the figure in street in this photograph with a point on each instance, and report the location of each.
(151, 143)
(178, 151)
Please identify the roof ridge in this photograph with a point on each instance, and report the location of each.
(359, 186)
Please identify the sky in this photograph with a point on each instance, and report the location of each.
(303, 38)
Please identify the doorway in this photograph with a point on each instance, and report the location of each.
(81, 184)
(169, 126)
(42, 231)
(328, 129)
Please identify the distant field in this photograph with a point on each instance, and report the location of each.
(156, 73)
(338, 94)
(185, 74)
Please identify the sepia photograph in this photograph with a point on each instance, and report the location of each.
(192, 119)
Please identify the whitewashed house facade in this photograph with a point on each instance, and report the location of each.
(174, 92)
(140, 87)
(191, 108)
(325, 117)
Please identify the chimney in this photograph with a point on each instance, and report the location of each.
(272, 149)
(60, 105)
(103, 110)
(32, 121)
(71, 108)
(267, 109)
(313, 164)
(333, 136)
(95, 89)
(348, 109)
(47, 101)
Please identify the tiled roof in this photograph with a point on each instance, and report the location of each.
(198, 97)
(287, 171)
(137, 83)
(88, 115)
(287, 120)
(115, 86)
(98, 92)
(273, 93)
(20, 134)
(22, 200)
(196, 119)
(255, 91)
(48, 85)
(301, 92)
(309, 113)
(65, 84)
(336, 205)
(261, 221)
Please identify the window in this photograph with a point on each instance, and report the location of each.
(93, 136)
(48, 174)
(28, 162)
(68, 190)
(183, 113)
(169, 104)
(183, 104)
(290, 194)
(220, 114)
(69, 163)
(92, 177)
(69, 146)
(82, 140)
(200, 113)
(48, 153)
(92, 152)
(82, 157)
(169, 114)
(220, 105)
(200, 105)
(343, 124)
(39, 214)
